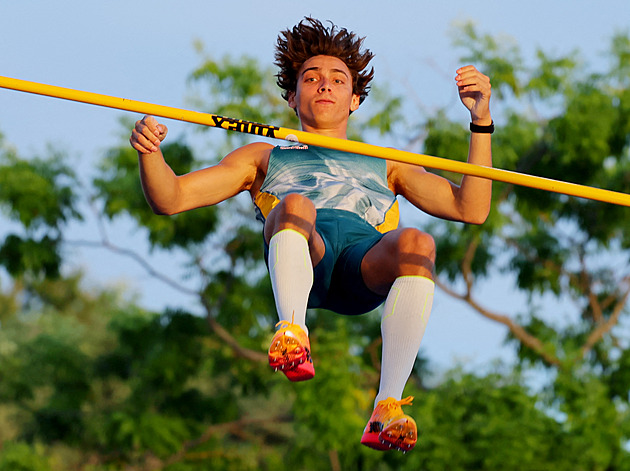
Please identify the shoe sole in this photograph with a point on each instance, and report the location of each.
(400, 434)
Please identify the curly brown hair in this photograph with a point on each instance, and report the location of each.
(311, 38)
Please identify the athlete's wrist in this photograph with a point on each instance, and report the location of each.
(482, 128)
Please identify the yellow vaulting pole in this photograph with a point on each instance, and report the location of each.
(264, 130)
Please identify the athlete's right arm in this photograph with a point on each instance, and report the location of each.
(168, 193)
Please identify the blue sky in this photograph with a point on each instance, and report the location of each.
(144, 51)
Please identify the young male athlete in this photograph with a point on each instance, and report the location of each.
(330, 218)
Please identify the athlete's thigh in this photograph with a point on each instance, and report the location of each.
(378, 265)
(401, 252)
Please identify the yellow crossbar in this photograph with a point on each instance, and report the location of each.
(264, 130)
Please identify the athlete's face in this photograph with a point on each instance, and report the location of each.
(323, 98)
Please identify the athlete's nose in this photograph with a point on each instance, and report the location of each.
(325, 85)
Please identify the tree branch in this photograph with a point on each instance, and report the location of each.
(234, 427)
(105, 244)
(219, 330)
(223, 334)
(230, 341)
(517, 330)
(604, 327)
(467, 263)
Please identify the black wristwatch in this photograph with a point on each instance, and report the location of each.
(482, 129)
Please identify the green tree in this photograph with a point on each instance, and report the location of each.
(92, 381)
(569, 123)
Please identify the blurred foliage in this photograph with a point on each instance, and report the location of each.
(118, 190)
(90, 380)
(40, 195)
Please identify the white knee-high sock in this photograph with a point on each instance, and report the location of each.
(405, 316)
(291, 272)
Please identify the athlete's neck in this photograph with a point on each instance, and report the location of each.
(337, 132)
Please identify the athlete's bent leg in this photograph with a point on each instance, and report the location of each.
(294, 248)
(401, 262)
(290, 232)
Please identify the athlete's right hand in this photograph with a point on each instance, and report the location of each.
(147, 135)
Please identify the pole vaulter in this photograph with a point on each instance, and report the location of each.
(264, 130)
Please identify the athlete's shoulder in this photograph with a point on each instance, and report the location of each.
(257, 147)
(400, 174)
(256, 153)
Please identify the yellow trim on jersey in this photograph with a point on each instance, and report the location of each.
(392, 218)
(265, 202)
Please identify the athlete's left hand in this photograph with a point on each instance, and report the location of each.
(474, 91)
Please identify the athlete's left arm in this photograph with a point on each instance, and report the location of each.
(470, 201)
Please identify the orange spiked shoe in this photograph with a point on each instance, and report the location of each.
(290, 352)
(389, 428)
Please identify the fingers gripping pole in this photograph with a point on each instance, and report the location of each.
(264, 130)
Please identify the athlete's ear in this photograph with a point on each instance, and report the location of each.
(355, 102)
(291, 100)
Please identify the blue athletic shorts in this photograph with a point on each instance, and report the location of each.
(338, 285)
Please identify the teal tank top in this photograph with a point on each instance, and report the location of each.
(331, 179)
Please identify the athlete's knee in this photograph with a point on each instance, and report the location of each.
(295, 203)
(295, 207)
(293, 212)
(414, 241)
